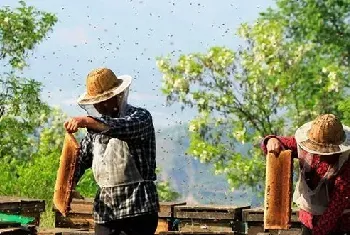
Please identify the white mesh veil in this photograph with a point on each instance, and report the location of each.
(122, 105)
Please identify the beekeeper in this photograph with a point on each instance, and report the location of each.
(323, 189)
(120, 148)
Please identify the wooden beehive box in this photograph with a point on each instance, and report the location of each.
(22, 206)
(208, 218)
(254, 219)
(80, 216)
(166, 215)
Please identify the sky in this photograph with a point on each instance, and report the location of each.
(127, 36)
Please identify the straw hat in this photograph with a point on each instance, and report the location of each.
(102, 84)
(324, 136)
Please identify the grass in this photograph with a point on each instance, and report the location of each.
(47, 218)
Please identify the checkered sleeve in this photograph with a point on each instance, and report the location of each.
(84, 158)
(136, 125)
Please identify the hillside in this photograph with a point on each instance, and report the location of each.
(196, 182)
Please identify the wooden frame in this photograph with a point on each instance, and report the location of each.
(65, 174)
(278, 190)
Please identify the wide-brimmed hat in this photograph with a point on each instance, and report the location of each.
(102, 84)
(326, 135)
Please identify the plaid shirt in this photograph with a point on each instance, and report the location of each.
(118, 202)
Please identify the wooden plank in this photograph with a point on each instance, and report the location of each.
(166, 209)
(30, 230)
(74, 221)
(290, 232)
(14, 231)
(257, 215)
(278, 190)
(163, 226)
(19, 205)
(253, 230)
(7, 199)
(63, 231)
(205, 215)
(205, 226)
(197, 233)
(259, 229)
(81, 208)
(32, 207)
(211, 207)
(209, 212)
(83, 201)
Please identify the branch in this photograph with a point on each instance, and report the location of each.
(248, 115)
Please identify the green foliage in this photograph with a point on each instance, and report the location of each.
(21, 30)
(344, 109)
(87, 186)
(20, 104)
(324, 22)
(165, 191)
(28, 144)
(33, 174)
(35, 177)
(273, 84)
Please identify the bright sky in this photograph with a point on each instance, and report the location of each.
(127, 36)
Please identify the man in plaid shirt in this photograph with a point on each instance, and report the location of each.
(120, 148)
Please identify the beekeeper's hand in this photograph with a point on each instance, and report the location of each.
(273, 146)
(73, 124)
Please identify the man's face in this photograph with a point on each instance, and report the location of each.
(109, 107)
(331, 159)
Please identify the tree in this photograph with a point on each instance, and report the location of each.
(21, 30)
(165, 191)
(271, 85)
(323, 22)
